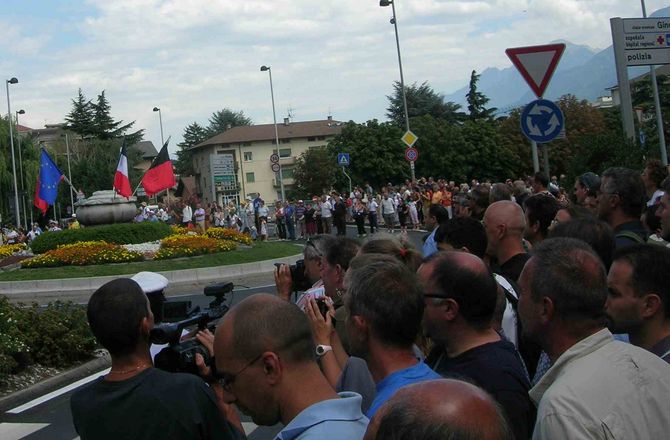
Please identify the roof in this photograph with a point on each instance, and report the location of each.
(266, 132)
(146, 148)
(22, 128)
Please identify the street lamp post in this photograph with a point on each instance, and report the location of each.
(69, 171)
(23, 195)
(274, 117)
(160, 119)
(11, 142)
(394, 21)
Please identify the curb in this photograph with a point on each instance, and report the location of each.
(53, 383)
(70, 288)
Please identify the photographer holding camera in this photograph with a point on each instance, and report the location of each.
(298, 277)
(135, 400)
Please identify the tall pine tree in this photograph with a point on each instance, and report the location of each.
(80, 118)
(477, 101)
(226, 119)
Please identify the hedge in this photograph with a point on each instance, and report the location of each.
(122, 233)
(55, 336)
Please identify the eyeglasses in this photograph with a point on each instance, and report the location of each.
(227, 380)
(435, 295)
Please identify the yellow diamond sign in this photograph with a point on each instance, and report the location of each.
(409, 138)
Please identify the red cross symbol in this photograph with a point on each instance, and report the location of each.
(660, 40)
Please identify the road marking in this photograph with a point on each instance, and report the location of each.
(16, 431)
(58, 392)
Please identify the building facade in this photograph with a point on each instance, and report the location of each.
(236, 164)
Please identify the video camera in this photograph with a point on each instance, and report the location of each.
(179, 357)
(299, 280)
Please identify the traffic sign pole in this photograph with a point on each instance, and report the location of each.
(657, 104)
(536, 160)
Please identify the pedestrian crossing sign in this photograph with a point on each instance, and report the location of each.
(343, 159)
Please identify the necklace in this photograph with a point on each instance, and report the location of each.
(139, 367)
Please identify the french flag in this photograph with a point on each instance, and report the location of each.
(121, 180)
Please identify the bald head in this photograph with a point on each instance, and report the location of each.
(506, 213)
(438, 409)
(264, 322)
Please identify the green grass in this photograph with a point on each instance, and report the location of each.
(259, 252)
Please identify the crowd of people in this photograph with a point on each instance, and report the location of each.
(525, 315)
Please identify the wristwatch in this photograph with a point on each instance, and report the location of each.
(323, 349)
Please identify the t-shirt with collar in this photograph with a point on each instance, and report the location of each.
(387, 387)
(333, 418)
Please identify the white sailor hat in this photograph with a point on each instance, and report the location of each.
(150, 281)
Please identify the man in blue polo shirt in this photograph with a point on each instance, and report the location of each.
(385, 308)
(266, 362)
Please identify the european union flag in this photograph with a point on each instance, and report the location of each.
(50, 177)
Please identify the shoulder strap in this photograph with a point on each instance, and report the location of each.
(630, 235)
(509, 288)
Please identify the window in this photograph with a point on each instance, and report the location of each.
(287, 173)
(248, 156)
(246, 144)
(284, 152)
(321, 138)
(251, 178)
(284, 141)
(311, 139)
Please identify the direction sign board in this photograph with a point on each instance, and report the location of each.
(409, 138)
(411, 154)
(275, 167)
(542, 121)
(536, 64)
(645, 41)
(343, 159)
(274, 158)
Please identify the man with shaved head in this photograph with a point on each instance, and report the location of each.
(460, 294)
(505, 223)
(439, 409)
(597, 387)
(266, 362)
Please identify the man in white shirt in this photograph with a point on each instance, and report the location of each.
(388, 212)
(186, 215)
(326, 215)
(596, 388)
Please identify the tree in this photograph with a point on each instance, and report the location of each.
(93, 119)
(105, 127)
(226, 119)
(80, 118)
(314, 172)
(193, 135)
(477, 101)
(421, 100)
(376, 152)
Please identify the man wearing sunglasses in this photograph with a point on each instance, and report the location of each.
(266, 364)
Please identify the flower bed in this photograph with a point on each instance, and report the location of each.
(82, 254)
(177, 246)
(229, 234)
(10, 249)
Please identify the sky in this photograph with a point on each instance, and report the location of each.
(191, 58)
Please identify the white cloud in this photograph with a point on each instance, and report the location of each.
(192, 57)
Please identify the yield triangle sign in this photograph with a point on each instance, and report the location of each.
(536, 64)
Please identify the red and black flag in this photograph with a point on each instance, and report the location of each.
(160, 176)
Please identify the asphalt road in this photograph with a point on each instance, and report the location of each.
(51, 419)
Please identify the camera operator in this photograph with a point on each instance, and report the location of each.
(135, 400)
(315, 248)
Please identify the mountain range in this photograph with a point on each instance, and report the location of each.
(582, 71)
